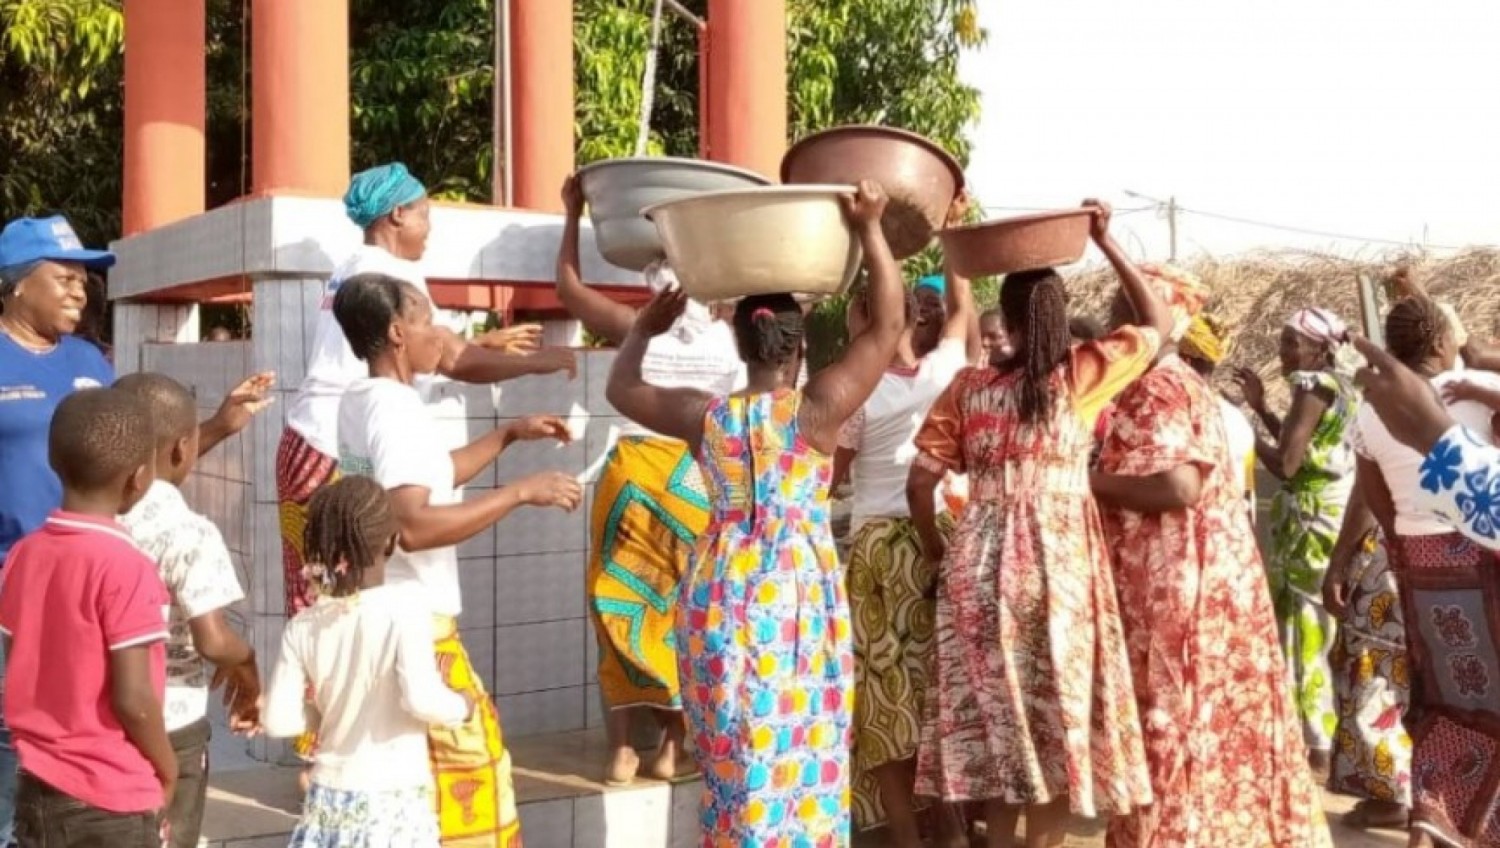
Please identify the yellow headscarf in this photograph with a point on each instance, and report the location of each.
(1207, 339)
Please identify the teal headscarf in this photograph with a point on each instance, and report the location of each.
(375, 193)
(936, 282)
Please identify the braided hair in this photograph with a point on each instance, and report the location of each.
(1414, 329)
(1037, 302)
(768, 329)
(350, 528)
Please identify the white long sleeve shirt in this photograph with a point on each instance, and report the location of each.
(376, 689)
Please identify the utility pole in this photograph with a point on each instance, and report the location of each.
(1172, 226)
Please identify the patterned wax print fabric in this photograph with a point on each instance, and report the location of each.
(891, 601)
(476, 798)
(1228, 767)
(649, 508)
(1372, 684)
(766, 659)
(1306, 514)
(338, 818)
(1030, 698)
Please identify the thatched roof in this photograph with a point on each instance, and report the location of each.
(1256, 292)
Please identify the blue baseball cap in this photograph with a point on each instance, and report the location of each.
(26, 241)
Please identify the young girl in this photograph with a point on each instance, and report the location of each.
(367, 652)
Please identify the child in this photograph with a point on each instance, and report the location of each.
(194, 562)
(84, 616)
(367, 650)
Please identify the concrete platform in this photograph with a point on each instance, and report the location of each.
(564, 803)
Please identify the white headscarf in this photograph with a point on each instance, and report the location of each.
(695, 319)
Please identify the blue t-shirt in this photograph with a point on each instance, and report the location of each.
(31, 386)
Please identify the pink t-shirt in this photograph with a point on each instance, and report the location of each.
(70, 593)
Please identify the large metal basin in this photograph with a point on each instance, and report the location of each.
(618, 189)
(725, 245)
(918, 175)
(1025, 243)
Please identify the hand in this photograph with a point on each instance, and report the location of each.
(1462, 390)
(241, 695)
(958, 210)
(1404, 285)
(867, 205)
(1335, 590)
(1252, 389)
(1099, 223)
(246, 401)
(522, 338)
(662, 312)
(168, 786)
(933, 550)
(572, 197)
(551, 360)
(1406, 403)
(550, 488)
(534, 428)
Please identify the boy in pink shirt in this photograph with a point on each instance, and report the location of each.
(83, 614)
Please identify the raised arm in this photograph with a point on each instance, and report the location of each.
(425, 526)
(1150, 311)
(836, 392)
(677, 413)
(963, 314)
(472, 363)
(601, 315)
(242, 404)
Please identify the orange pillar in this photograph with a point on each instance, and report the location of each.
(299, 96)
(747, 83)
(165, 102)
(541, 64)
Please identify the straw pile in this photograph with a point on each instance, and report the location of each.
(1255, 293)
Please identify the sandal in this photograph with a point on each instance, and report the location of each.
(1377, 815)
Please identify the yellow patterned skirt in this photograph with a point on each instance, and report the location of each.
(476, 800)
(892, 604)
(649, 508)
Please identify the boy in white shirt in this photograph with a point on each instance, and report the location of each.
(196, 567)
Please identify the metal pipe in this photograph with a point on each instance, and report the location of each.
(502, 191)
(683, 12)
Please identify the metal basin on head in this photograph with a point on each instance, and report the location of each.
(917, 174)
(1025, 243)
(618, 189)
(725, 245)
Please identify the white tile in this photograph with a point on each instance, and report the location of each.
(591, 654)
(532, 530)
(628, 819)
(532, 713)
(595, 365)
(265, 438)
(539, 587)
(687, 798)
(533, 657)
(482, 544)
(476, 580)
(551, 394)
(548, 824)
(593, 707)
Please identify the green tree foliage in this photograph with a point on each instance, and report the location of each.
(421, 77)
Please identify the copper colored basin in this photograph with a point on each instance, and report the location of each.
(1017, 244)
(918, 175)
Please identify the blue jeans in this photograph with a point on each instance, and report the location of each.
(9, 766)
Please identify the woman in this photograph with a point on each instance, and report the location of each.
(1450, 592)
(1030, 706)
(387, 433)
(43, 295)
(391, 207)
(993, 338)
(763, 626)
(889, 585)
(1227, 765)
(1205, 346)
(649, 509)
(1310, 454)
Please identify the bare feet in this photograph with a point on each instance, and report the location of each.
(669, 763)
(622, 767)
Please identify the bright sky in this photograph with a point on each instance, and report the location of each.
(1378, 119)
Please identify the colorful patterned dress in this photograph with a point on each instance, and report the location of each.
(767, 664)
(1306, 514)
(1228, 767)
(1450, 588)
(1031, 698)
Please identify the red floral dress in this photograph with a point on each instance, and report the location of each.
(1223, 740)
(1030, 699)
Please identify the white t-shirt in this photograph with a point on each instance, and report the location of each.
(709, 363)
(376, 689)
(1240, 434)
(331, 363)
(194, 563)
(1402, 467)
(386, 433)
(883, 429)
